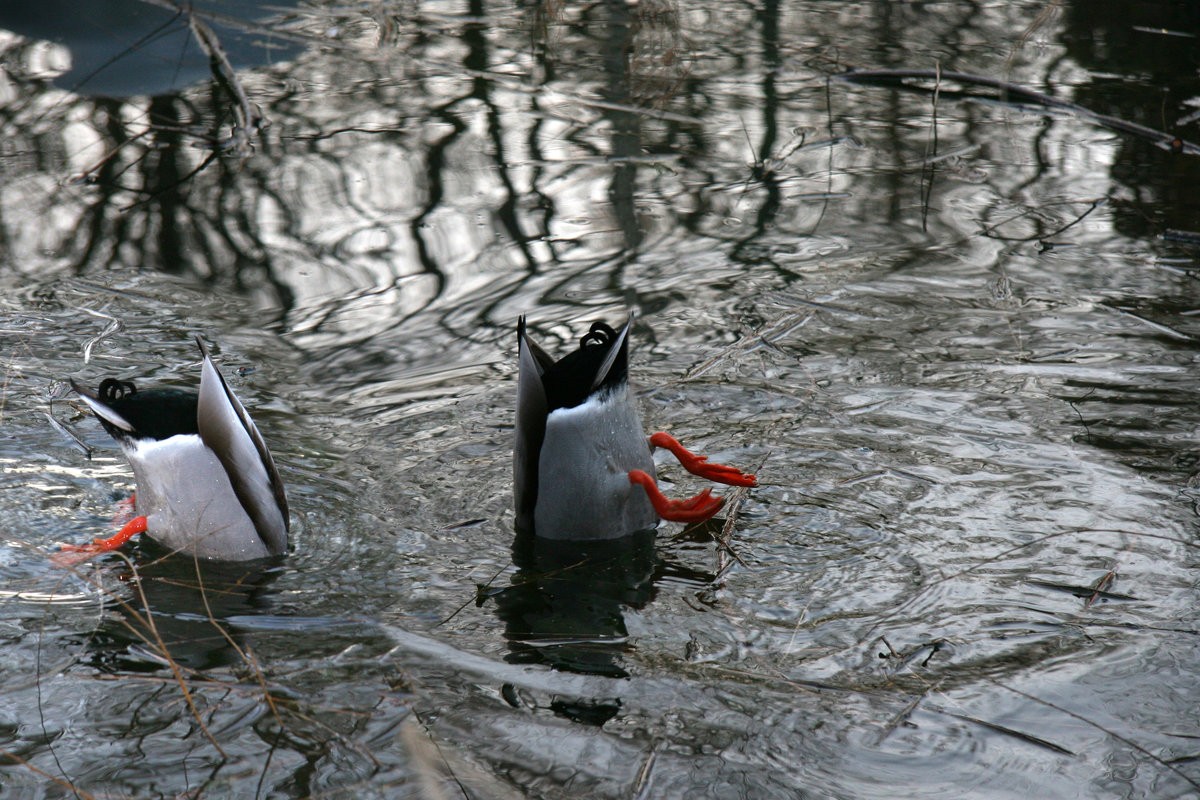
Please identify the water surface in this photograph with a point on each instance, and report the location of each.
(956, 339)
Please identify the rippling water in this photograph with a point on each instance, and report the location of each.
(956, 340)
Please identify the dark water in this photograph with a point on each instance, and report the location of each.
(956, 338)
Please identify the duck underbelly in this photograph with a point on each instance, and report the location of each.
(583, 473)
(189, 504)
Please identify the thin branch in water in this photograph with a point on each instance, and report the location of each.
(642, 781)
(1101, 586)
(65, 781)
(988, 231)
(149, 196)
(1025, 737)
(249, 120)
(245, 654)
(479, 593)
(1090, 593)
(16, 759)
(445, 762)
(69, 434)
(929, 169)
(1005, 553)
(262, 776)
(162, 647)
(1048, 14)
(1122, 739)
(89, 173)
(734, 504)
(1013, 95)
(907, 711)
(145, 40)
(833, 140)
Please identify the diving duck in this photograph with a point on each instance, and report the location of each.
(206, 482)
(582, 465)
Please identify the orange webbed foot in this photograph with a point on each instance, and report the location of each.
(699, 465)
(128, 505)
(694, 509)
(132, 528)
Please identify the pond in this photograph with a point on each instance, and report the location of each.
(948, 312)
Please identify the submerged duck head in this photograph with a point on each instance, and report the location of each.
(206, 482)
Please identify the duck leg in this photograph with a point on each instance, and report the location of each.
(132, 528)
(698, 465)
(694, 509)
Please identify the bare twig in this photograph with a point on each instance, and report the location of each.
(1027, 737)
(1101, 586)
(1048, 14)
(642, 781)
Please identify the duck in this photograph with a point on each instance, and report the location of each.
(206, 482)
(582, 464)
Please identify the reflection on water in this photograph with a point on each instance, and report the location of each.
(564, 607)
(566, 602)
(961, 339)
(122, 48)
(173, 607)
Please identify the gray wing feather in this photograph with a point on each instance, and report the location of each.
(229, 432)
(614, 350)
(531, 424)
